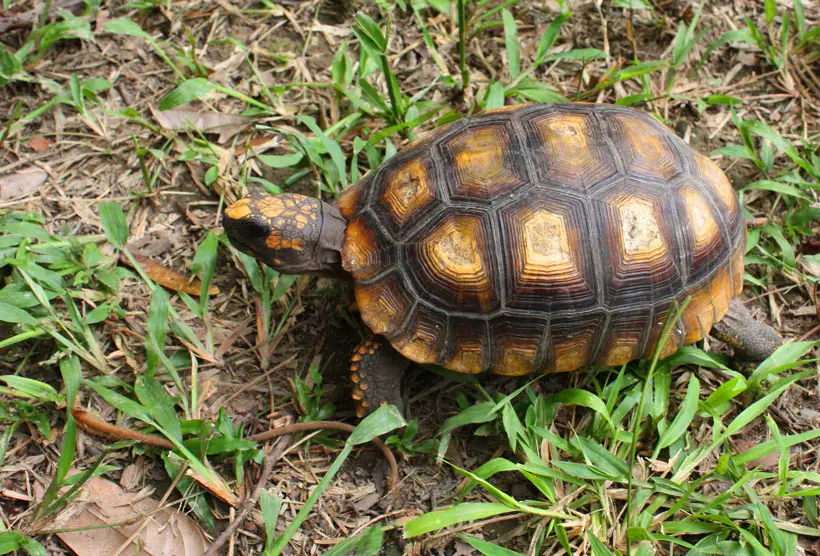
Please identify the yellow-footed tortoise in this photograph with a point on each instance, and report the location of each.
(537, 238)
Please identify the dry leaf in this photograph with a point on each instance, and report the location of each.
(747, 58)
(219, 489)
(133, 474)
(39, 144)
(810, 267)
(21, 184)
(334, 30)
(259, 144)
(112, 516)
(766, 463)
(226, 125)
(168, 278)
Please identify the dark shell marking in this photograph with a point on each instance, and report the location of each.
(543, 237)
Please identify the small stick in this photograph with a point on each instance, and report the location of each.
(95, 426)
(806, 336)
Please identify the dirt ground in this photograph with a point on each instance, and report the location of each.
(99, 158)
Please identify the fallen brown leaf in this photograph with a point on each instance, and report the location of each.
(168, 278)
(114, 519)
(766, 463)
(39, 144)
(333, 30)
(226, 125)
(21, 184)
(217, 487)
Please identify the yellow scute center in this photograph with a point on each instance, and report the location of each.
(457, 252)
(640, 232)
(545, 238)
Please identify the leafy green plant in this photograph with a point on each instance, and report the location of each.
(309, 398)
(11, 541)
(40, 41)
(29, 300)
(374, 43)
(406, 443)
(795, 182)
(521, 85)
(633, 406)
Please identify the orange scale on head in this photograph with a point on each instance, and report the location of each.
(274, 240)
(271, 207)
(239, 210)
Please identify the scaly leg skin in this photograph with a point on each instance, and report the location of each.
(376, 370)
(752, 341)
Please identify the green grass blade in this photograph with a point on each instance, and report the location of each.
(63, 467)
(332, 147)
(487, 548)
(186, 92)
(683, 418)
(461, 21)
(439, 519)
(157, 325)
(270, 505)
(28, 387)
(113, 222)
(511, 44)
(598, 548)
(158, 404)
(11, 541)
(204, 264)
(385, 419)
(576, 396)
(785, 357)
(548, 37)
(71, 371)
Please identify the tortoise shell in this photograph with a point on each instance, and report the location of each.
(543, 238)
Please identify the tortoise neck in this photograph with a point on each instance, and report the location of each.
(329, 247)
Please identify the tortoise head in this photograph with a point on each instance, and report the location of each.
(292, 233)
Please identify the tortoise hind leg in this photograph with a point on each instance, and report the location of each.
(376, 370)
(752, 341)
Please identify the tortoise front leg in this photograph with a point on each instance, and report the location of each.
(752, 341)
(376, 370)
